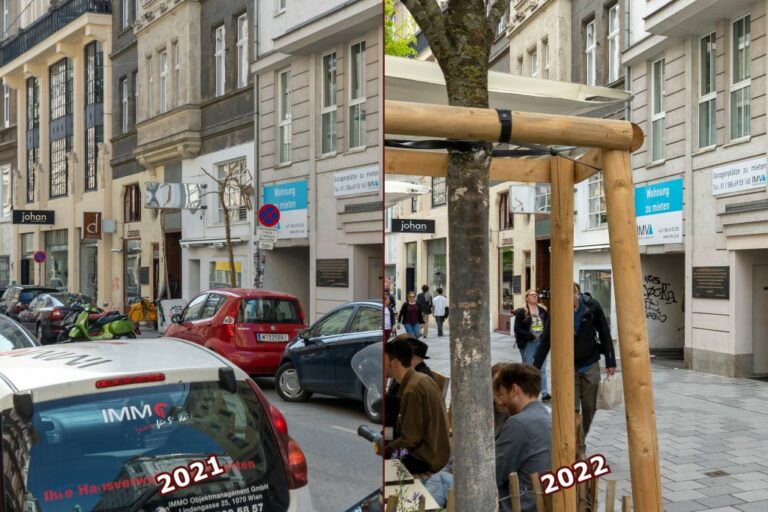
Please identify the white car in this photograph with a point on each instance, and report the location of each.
(144, 426)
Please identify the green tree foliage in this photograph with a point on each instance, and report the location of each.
(397, 39)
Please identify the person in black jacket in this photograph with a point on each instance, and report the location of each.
(529, 326)
(589, 323)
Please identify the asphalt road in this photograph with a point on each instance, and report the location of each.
(342, 466)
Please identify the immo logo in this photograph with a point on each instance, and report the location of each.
(134, 413)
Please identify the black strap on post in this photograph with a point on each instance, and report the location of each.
(505, 118)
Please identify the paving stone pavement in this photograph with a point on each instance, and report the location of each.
(712, 431)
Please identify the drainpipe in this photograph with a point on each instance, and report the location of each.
(258, 278)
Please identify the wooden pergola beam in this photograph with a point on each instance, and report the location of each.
(427, 120)
(413, 162)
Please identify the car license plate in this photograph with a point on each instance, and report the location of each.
(273, 337)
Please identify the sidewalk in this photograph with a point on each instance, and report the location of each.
(712, 431)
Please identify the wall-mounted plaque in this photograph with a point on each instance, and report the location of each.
(711, 282)
(333, 273)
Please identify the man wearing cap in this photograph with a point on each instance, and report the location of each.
(392, 402)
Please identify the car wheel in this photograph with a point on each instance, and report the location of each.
(288, 385)
(372, 404)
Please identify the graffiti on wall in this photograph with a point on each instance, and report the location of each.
(657, 293)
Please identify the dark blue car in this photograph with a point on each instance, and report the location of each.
(319, 359)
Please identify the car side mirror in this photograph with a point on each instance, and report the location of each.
(176, 318)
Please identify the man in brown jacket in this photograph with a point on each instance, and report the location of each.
(422, 425)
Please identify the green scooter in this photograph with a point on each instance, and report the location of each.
(87, 323)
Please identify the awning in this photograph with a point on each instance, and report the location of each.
(397, 191)
(423, 82)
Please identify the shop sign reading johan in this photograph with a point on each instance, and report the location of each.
(34, 217)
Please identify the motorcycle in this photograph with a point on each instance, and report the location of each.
(86, 322)
(367, 365)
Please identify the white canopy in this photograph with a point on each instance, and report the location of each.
(422, 81)
(396, 191)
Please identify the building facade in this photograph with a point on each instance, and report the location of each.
(318, 154)
(63, 175)
(698, 78)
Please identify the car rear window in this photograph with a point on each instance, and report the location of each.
(28, 294)
(69, 299)
(104, 451)
(273, 311)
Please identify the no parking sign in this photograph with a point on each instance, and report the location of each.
(39, 257)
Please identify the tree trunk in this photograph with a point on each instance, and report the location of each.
(228, 234)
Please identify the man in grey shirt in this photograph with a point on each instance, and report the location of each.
(523, 446)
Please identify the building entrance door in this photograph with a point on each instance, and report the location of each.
(760, 319)
(375, 281)
(89, 269)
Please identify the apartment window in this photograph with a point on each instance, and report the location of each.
(506, 218)
(740, 79)
(597, 212)
(5, 18)
(132, 203)
(135, 86)
(542, 199)
(176, 75)
(33, 134)
(329, 104)
(502, 23)
(439, 197)
(94, 94)
(280, 6)
(220, 61)
(163, 81)
(590, 52)
(357, 96)
(124, 105)
(125, 17)
(60, 77)
(658, 114)
(614, 58)
(414, 204)
(545, 58)
(232, 196)
(6, 106)
(242, 51)
(533, 57)
(707, 90)
(150, 88)
(5, 191)
(284, 122)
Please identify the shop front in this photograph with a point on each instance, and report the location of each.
(132, 269)
(56, 256)
(437, 266)
(89, 266)
(510, 286)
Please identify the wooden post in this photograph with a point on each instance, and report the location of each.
(422, 503)
(449, 501)
(391, 504)
(537, 494)
(514, 492)
(626, 504)
(610, 495)
(633, 334)
(561, 328)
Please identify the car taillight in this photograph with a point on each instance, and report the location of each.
(293, 458)
(130, 379)
(297, 465)
(55, 314)
(20, 307)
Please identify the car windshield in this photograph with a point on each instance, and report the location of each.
(12, 336)
(104, 452)
(274, 311)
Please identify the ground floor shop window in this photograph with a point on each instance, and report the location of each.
(597, 283)
(132, 269)
(56, 253)
(5, 271)
(27, 263)
(218, 276)
(437, 265)
(411, 257)
(506, 262)
(89, 268)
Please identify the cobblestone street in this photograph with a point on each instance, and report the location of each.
(713, 435)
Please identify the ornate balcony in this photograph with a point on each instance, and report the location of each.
(57, 17)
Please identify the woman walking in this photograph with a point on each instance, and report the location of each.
(389, 317)
(529, 326)
(410, 316)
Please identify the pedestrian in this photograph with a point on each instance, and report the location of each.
(500, 412)
(392, 403)
(592, 337)
(524, 443)
(389, 317)
(529, 326)
(440, 309)
(388, 293)
(424, 300)
(422, 425)
(410, 316)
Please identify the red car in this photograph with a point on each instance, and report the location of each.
(249, 327)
